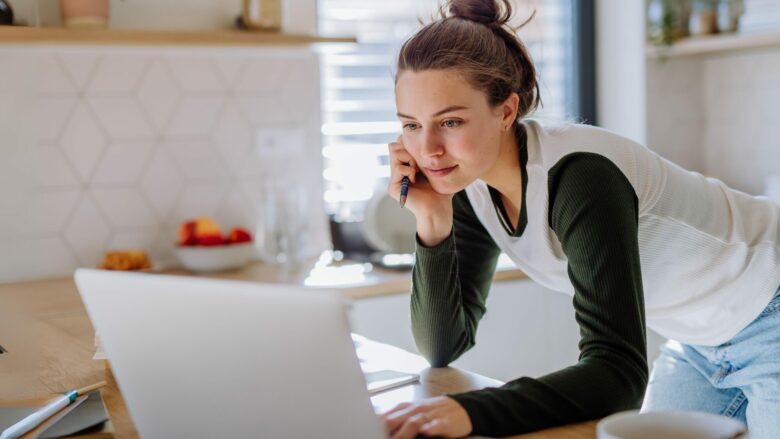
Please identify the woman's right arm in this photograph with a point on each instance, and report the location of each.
(450, 284)
(455, 262)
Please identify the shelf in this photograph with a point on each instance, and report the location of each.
(715, 44)
(57, 35)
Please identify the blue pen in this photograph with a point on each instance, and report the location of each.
(404, 190)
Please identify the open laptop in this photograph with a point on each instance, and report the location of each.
(212, 358)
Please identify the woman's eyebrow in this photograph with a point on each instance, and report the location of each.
(438, 113)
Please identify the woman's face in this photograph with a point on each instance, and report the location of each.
(449, 128)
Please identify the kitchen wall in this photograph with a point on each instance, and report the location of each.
(112, 147)
(718, 115)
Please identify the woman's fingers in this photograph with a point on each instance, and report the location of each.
(399, 156)
(435, 427)
(411, 427)
(397, 416)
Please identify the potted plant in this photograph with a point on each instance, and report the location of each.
(84, 13)
(705, 17)
(668, 20)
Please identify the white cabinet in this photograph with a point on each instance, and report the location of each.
(527, 330)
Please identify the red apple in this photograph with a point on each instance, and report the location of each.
(187, 234)
(238, 235)
(208, 240)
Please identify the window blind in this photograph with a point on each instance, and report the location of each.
(358, 105)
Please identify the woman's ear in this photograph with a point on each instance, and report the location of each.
(509, 109)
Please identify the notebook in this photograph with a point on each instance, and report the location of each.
(85, 418)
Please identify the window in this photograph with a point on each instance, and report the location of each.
(357, 85)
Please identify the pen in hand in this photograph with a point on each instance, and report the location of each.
(404, 190)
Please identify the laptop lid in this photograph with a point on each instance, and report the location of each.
(212, 358)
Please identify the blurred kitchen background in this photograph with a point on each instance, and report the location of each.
(111, 138)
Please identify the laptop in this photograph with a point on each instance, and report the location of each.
(206, 358)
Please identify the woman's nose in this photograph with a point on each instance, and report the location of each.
(431, 145)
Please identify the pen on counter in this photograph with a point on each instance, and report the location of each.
(37, 417)
(404, 190)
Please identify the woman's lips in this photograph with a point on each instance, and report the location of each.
(440, 172)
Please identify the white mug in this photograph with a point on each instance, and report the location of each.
(669, 424)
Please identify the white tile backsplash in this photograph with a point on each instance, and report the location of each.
(83, 141)
(162, 182)
(122, 117)
(124, 143)
(87, 232)
(118, 73)
(195, 116)
(158, 94)
(52, 169)
(79, 66)
(123, 162)
(54, 80)
(56, 111)
(125, 208)
(196, 75)
(51, 210)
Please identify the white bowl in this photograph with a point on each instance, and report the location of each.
(669, 424)
(205, 259)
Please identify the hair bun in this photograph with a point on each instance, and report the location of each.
(486, 12)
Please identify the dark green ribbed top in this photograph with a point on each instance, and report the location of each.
(593, 212)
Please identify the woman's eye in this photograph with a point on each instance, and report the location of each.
(410, 126)
(450, 123)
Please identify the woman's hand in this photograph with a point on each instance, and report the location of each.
(432, 210)
(441, 416)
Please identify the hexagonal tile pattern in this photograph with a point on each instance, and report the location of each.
(122, 117)
(53, 78)
(196, 74)
(125, 207)
(198, 160)
(87, 233)
(129, 143)
(265, 110)
(301, 86)
(199, 199)
(158, 94)
(136, 239)
(194, 117)
(52, 168)
(118, 73)
(162, 182)
(79, 66)
(50, 210)
(52, 114)
(232, 137)
(33, 258)
(236, 210)
(229, 67)
(261, 75)
(123, 163)
(82, 142)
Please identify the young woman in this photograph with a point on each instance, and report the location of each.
(632, 237)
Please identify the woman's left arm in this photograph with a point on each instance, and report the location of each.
(593, 211)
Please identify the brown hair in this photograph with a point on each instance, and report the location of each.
(473, 37)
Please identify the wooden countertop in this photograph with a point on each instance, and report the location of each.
(354, 280)
(49, 319)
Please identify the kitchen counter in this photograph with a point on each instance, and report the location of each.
(354, 280)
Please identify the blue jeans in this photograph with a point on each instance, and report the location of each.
(740, 378)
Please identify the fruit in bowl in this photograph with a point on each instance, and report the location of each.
(203, 248)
